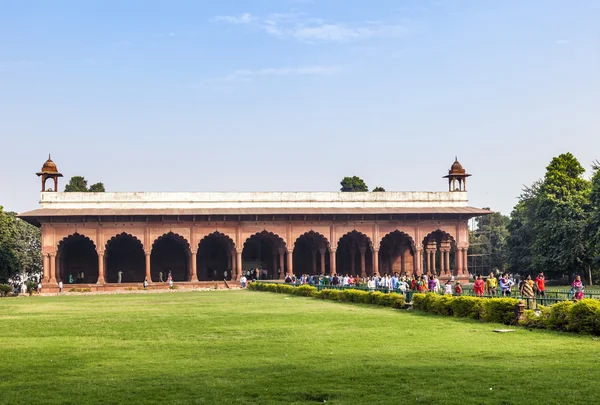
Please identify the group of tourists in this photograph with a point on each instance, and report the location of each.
(491, 286)
(385, 282)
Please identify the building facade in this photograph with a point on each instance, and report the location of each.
(99, 239)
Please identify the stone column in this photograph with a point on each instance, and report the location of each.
(433, 261)
(52, 268)
(46, 263)
(322, 252)
(353, 260)
(194, 272)
(447, 260)
(238, 267)
(465, 261)
(100, 267)
(376, 261)
(281, 263)
(332, 269)
(314, 261)
(458, 259)
(418, 260)
(275, 255)
(148, 275)
(363, 266)
(290, 261)
(428, 262)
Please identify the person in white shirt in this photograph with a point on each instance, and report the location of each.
(60, 285)
(437, 284)
(243, 281)
(371, 284)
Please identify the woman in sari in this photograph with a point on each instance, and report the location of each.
(577, 288)
(528, 293)
(479, 286)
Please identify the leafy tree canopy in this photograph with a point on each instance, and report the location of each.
(97, 188)
(561, 217)
(79, 184)
(353, 184)
(378, 189)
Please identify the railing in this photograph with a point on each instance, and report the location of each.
(552, 297)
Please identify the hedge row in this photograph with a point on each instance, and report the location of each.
(393, 300)
(580, 317)
(5, 290)
(500, 310)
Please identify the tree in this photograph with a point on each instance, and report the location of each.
(593, 227)
(561, 218)
(521, 231)
(79, 184)
(27, 247)
(353, 184)
(378, 189)
(97, 188)
(9, 262)
(489, 240)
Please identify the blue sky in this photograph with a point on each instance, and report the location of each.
(286, 95)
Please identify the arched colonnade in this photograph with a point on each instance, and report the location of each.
(216, 255)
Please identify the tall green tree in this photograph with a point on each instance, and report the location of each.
(489, 240)
(80, 184)
(77, 184)
(521, 231)
(561, 219)
(593, 230)
(28, 246)
(378, 189)
(353, 184)
(9, 262)
(97, 188)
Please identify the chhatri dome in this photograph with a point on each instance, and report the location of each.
(49, 171)
(457, 177)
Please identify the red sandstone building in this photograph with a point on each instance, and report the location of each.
(200, 236)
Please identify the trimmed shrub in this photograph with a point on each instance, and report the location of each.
(418, 301)
(284, 289)
(557, 319)
(443, 305)
(5, 290)
(304, 291)
(500, 310)
(467, 307)
(535, 319)
(331, 295)
(358, 296)
(388, 300)
(584, 317)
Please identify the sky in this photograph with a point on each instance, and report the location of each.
(293, 95)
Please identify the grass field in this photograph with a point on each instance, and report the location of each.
(244, 347)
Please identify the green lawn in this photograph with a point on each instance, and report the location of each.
(247, 347)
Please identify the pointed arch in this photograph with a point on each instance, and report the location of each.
(125, 254)
(77, 260)
(438, 258)
(170, 255)
(261, 251)
(397, 253)
(354, 254)
(310, 253)
(216, 255)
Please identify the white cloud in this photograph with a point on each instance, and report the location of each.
(245, 18)
(316, 70)
(563, 42)
(302, 28)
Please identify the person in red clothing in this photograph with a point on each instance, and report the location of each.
(479, 286)
(540, 281)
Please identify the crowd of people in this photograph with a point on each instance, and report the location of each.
(504, 286)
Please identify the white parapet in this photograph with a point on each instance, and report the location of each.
(208, 200)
